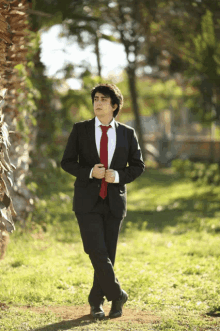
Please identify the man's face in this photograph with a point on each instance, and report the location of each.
(102, 106)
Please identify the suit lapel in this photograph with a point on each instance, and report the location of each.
(116, 152)
(91, 140)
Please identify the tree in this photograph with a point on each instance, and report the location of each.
(123, 18)
(14, 47)
(184, 35)
(157, 34)
(90, 16)
(76, 19)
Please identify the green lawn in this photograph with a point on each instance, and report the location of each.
(168, 257)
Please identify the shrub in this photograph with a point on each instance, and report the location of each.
(202, 173)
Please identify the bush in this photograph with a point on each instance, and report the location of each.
(202, 173)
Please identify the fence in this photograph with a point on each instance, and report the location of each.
(191, 147)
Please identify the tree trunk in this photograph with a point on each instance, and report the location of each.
(13, 51)
(97, 52)
(134, 97)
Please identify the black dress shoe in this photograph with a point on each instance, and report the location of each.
(116, 309)
(97, 312)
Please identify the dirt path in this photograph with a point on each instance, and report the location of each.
(80, 314)
(73, 316)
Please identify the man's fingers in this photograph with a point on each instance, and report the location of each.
(109, 180)
(109, 171)
(101, 172)
(100, 165)
(109, 176)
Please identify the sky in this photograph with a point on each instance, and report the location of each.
(56, 52)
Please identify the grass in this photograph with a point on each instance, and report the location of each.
(167, 260)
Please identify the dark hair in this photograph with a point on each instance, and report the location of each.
(111, 91)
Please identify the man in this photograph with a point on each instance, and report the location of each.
(103, 155)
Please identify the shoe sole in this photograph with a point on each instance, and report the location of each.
(116, 315)
(98, 316)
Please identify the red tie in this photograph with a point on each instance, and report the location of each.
(104, 158)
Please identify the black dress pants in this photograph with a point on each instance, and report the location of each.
(99, 231)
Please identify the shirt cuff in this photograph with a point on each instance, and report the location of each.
(116, 177)
(90, 176)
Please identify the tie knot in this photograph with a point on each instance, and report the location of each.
(105, 128)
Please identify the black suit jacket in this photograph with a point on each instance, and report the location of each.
(81, 155)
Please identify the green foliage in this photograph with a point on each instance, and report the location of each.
(202, 173)
(202, 53)
(78, 103)
(155, 95)
(158, 95)
(52, 188)
(188, 30)
(44, 96)
(207, 48)
(30, 93)
(73, 14)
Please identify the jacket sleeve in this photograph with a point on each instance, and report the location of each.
(135, 162)
(70, 160)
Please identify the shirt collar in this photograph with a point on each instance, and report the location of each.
(98, 123)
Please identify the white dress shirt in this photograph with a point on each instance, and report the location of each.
(111, 133)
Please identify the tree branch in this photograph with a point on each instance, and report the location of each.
(39, 13)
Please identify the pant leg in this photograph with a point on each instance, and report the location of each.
(112, 227)
(93, 237)
(96, 291)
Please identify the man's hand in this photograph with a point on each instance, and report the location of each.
(98, 171)
(110, 176)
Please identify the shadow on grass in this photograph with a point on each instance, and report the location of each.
(159, 220)
(182, 212)
(67, 325)
(186, 213)
(156, 177)
(214, 313)
(152, 220)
